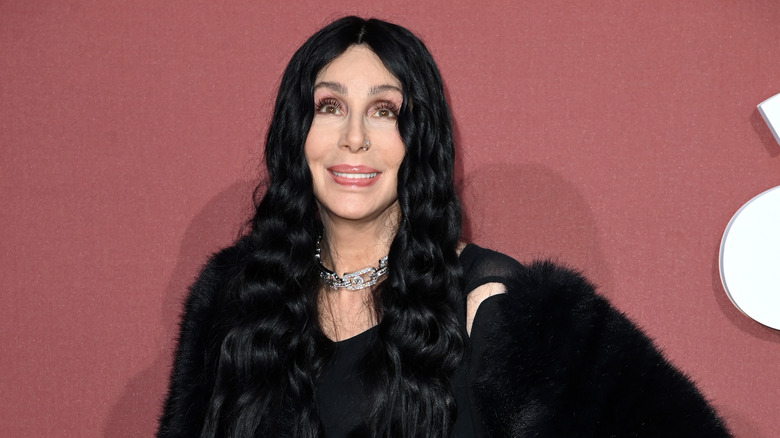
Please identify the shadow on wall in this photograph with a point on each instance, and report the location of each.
(759, 125)
(217, 225)
(739, 424)
(530, 212)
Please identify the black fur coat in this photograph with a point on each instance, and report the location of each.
(558, 360)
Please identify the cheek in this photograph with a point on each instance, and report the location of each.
(315, 155)
(399, 151)
(317, 141)
(312, 148)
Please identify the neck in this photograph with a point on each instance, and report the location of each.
(348, 247)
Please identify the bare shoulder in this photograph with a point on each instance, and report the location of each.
(477, 296)
(461, 245)
(486, 273)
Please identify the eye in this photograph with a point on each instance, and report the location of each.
(328, 106)
(385, 110)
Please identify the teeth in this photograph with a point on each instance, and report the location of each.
(356, 175)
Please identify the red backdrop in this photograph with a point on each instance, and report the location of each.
(617, 137)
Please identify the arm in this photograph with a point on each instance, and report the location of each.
(558, 360)
(191, 380)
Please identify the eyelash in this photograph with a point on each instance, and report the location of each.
(387, 106)
(331, 102)
(328, 101)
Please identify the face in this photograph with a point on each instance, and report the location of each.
(356, 99)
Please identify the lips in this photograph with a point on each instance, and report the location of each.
(355, 176)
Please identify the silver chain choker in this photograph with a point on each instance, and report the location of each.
(352, 280)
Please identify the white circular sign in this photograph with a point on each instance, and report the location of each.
(750, 258)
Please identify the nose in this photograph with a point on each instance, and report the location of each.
(354, 135)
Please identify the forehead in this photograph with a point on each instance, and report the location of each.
(357, 67)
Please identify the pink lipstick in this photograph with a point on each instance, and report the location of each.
(354, 176)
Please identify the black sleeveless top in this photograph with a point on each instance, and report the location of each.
(340, 394)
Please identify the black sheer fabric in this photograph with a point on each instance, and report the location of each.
(341, 393)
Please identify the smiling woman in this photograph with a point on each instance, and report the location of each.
(353, 147)
(353, 307)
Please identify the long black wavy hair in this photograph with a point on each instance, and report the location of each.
(271, 356)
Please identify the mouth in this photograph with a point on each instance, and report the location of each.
(355, 175)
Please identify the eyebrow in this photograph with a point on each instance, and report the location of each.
(382, 88)
(333, 86)
(341, 89)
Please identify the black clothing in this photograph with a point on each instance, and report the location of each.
(556, 360)
(340, 392)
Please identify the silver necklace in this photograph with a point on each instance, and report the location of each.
(357, 280)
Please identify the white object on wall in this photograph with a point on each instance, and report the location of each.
(770, 111)
(750, 258)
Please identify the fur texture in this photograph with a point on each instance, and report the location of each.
(558, 360)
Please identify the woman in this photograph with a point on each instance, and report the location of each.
(422, 336)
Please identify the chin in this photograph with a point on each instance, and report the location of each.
(362, 213)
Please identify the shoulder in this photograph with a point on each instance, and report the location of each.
(540, 280)
(530, 293)
(551, 301)
(207, 293)
(482, 265)
(217, 272)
